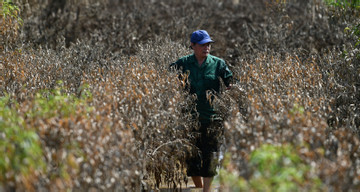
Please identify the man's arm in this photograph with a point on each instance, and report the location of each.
(226, 74)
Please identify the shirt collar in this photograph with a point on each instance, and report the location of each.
(194, 61)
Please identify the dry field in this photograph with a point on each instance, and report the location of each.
(87, 102)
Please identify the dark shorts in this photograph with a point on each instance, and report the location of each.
(203, 160)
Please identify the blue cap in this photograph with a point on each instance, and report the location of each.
(200, 37)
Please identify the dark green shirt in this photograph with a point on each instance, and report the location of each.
(204, 78)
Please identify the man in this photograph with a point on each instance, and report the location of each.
(204, 71)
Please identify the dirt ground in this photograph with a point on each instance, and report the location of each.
(190, 187)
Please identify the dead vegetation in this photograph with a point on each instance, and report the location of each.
(118, 118)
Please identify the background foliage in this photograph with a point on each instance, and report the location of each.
(88, 102)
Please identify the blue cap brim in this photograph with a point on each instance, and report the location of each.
(208, 40)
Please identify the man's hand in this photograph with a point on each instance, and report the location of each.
(229, 87)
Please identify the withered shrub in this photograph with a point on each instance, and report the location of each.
(135, 132)
(280, 101)
(296, 83)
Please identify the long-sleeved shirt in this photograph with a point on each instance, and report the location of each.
(204, 78)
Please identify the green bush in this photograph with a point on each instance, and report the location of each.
(59, 110)
(56, 103)
(354, 33)
(344, 3)
(279, 168)
(19, 145)
(343, 9)
(9, 9)
(274, 168)
(10, 22)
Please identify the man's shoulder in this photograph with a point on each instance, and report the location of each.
(183, 61)
(187, 58)
(214, 59)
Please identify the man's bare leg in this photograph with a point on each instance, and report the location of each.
(207, 183)
(197, 181)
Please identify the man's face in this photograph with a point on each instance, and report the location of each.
(201, 50)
